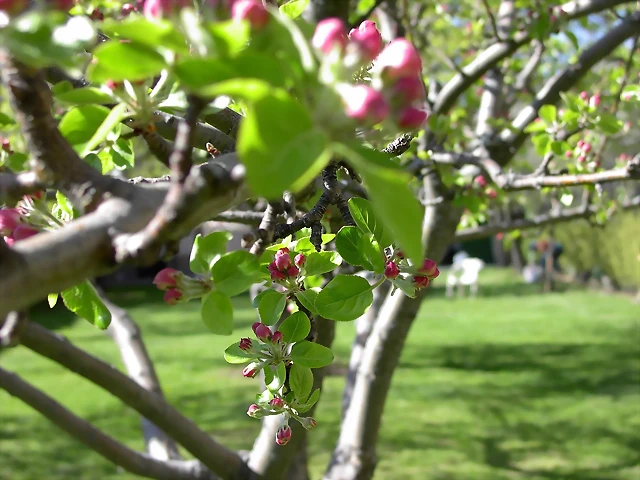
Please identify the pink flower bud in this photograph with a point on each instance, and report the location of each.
(276, 337)
(154, 9)
(391, 270)
(491, 193)
(252, 11)
(283, 260)
(262, 331)
(420, 281)
(480, 181)
(9, 241)
(300, 259)
(172, 296)
(277, 402)
(400, 254)
(250, 370)
(255, 411)
(582, 159)
(308, 423)
(6, 146)
(245, 344)
(407, 90)
(411, 118)
(23, 231)
(568, 153)
(283, 435)
(330, 33)
(586, 148)
(293, 271)
(366, 105)
(399, 59)
(580, 143)
(595, 100)
(429, 268)
(368, 39)
(584, 95)
(276, 275)
(166, 278)
(9, 220)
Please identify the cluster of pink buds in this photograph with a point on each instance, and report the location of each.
(427, 272)
(593, 101)
(480, 184)
(264, 334)
(282, 268)
(179, 287)
(12, 226)
(396, 264)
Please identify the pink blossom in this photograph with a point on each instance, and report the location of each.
(330, 33)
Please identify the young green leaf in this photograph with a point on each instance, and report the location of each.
(83, 96)
(116, 115)
(217, 313)
(80, 123)
(235, 272)
(236, 356)
(275, 376)
(308, 298)
(294, 8)
(364, 216)
(124, 61)
(321, 262)
(207, 250)
(344, 298)
(373, 255)
(300, 380)
(548, 113)
(157, 33)
(52, 299)
(295, 327)
(313, 399)
(271, 306)
(311, 355)
(348, 242)
(84, 301)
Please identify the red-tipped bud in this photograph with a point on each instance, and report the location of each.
(23, 231)
(491, 193)
(283, 260)
(308, 422)
(96, 14)
(276, 337)
(6, 145)
(580, 143)
(480, 181)
(300, 259)
(276, 275)
(283, 435)
(399, 59)
(568, 153)
(262, 331)
(407, 90)
(127, 9)
(391, 270)
(429, 268)
(293, 271)
(277, 402)
(9, 220)
(412, 118)
(582, 159)
(250, 370)
(586, 148)
(368, 39)
(594, 101)
(420, 281)
(400, 254)
(330, 33)
(166, 278)
(255, 411)
(584, 95)
(245, 344)
(154, 9)
(252, 11)
(366, 105)
(172, 296)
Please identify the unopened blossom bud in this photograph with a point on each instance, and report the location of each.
(283, 260)
(276, 337)
(491, 193)
(584, 95)
(245, 344)
(308, 423)
(568, 153)
(368, 39)
(594, 101)
(586, 148)
(9, 220)
(400, 254)
(283, 435)
(582, 159)
(172, 296)
(293, 271)
(411, 118)
(277, 402)
(255, 411)
(407, 90)
(127, 9)
(420, 281)
(23, 231)
(391, 270)
(166, 278)
(250, 370)
(6, 146)
(262, 331)
(252, 11)
(154, 9)
(276, 275)
(366, 105)
(480, 181)
(429, 268)
(300, 259)
(330, 34)
(399, 59)
(580, 143)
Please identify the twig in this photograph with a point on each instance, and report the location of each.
(10, 329)
(265, 231)
(543, 168)
(158, 146)
(240, 216)
(492, 20)
(399, 145)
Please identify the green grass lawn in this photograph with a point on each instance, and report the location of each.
(511, 385)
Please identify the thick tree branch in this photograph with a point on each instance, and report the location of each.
(167, 126)
(13, 187)
(240, 216)
(109, 448)
(217, 458)
(10, 329)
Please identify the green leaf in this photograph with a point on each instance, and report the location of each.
(348, 242)
(275, 376)
(84, 301)
(122, 153)
(542, 143)
(535, 127)
(116, 115)
(6, 120)
(80, 123)
(321, 262)
(608, 123)
(405, 286)
(236, 356)
(313, 399)
(217, 313)
(52, 299)
(373, 255)
(557, 147)
(157, 33)
(308, 298)
(364, 216)
(235, 272)
(304, 245)
(294, 8)
(124, 61)
(300, 380)
(271, 306)
(311, 355)
(572, 38)
(547, 113)
(295, 327)
(229, 37)
(83, 96)
(344, 298)
(207, 250)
